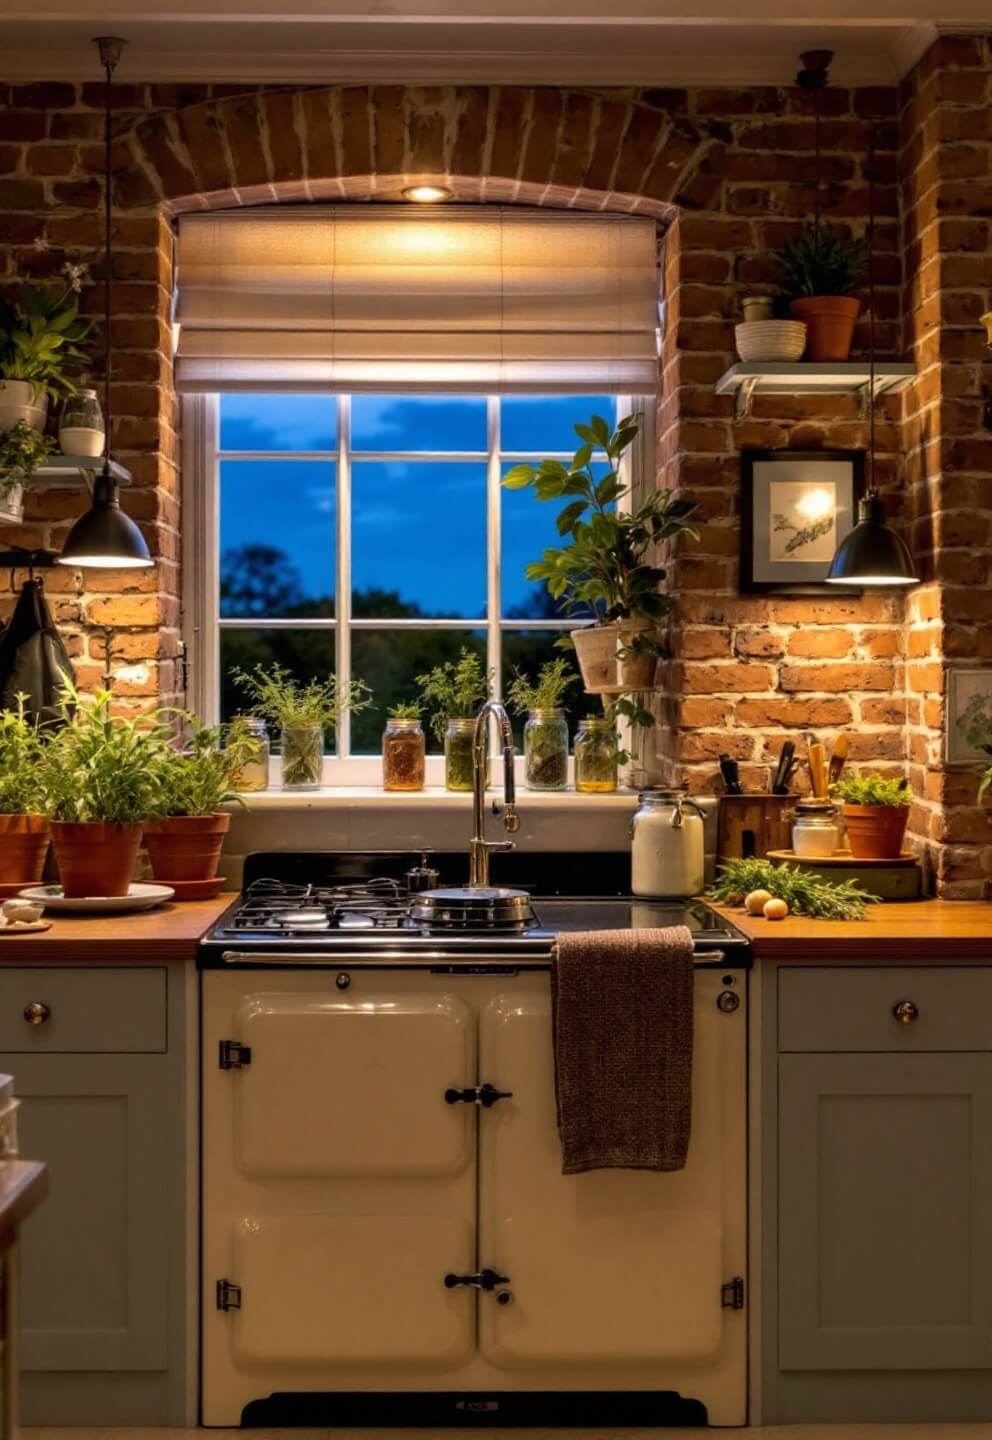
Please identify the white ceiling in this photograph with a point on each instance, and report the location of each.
(579, 42)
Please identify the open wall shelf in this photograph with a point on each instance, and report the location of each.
(777, 377)
(77, 470)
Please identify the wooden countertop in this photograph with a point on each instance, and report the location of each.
(170, 932)
(914, 930)
(23, 1186)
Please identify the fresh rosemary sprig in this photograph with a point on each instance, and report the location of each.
(804, 892)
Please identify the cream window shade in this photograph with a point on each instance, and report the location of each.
(385, 298)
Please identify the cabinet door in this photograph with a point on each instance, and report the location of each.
(885, 1212)
(94, 1257)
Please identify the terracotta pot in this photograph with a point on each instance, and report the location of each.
(23, 848)
(636, 671)
(596, 650)
(830, 321)
(186, 847)
(95, 857)
(876, 832)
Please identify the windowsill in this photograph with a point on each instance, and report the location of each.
(341, 797)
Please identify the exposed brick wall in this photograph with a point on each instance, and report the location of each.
(728, 173)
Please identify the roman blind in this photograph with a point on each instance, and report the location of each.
(390, 298)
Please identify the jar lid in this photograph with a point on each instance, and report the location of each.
(86, 394)
(662, 794)
(825, 809)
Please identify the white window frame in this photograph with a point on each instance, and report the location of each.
(201, 620)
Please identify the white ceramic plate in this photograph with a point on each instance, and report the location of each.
(139, 897)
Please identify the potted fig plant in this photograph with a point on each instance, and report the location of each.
(41, 348)
(453, 692)
(22, 450)
(303, 713)
(875, 813)
(820, 272)
(604, 569)
(185, 836)
(24, 832)
(100, 774)
(546, 730)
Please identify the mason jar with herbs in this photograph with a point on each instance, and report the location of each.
(452, 692)
(546, 750)
(303, 710)
(253, 773)
(302, 756)
(403, 750)
(458, 738)
(596, 758)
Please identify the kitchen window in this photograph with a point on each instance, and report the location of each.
(368, 535)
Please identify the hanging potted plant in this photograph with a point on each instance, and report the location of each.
(820, 272)
(41, 348)
(22, 449)
(303, 713)
(24, 832)
(100, 774)
(453, 692)
(185, 837)
(875, 813)
(604, 568)
(546, 730)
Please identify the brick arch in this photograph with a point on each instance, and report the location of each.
(524, 145)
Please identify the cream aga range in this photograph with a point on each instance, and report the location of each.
(387, 1234)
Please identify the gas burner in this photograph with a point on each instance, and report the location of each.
(273, 906)
(481, 907)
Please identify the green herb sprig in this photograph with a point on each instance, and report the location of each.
(288, 703)
(98, 766)
(196, 776)
(823, 261)
(547, 692)
(455, 690)
(404, 710)
(871, 790)
(804, 892)
(21, 743)
(22, 450)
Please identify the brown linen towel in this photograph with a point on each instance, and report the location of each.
(621, 1010)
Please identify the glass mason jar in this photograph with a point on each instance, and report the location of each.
(302, 757)
(546, 750)
(596, 756)
(403, 755)
(458, 754)
(81, 428)
(815, 830)
(254, 773)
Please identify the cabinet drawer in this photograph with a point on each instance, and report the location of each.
(111, 1010)
(853, 1009)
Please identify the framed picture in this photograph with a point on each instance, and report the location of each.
(969, 702)
(796, 508)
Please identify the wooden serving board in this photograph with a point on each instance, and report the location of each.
(900, 879)
(841, 857)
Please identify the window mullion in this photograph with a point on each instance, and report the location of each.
(494, 634)
(342, 604)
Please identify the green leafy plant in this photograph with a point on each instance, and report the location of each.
(404, 710)
(22, 449)
(196, 776)
(804, 892)
(300, 709)
(454, 690)
(547, 692)
(41, 338)
(975, 722)
(98, 766)
(871, 790)
(21, 747)
(823, 261)
(603, 570)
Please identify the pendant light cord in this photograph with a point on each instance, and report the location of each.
(110, 52)
(870, 489)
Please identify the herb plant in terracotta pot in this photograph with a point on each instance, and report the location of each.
(100, 774)
(820, 272)
(24, 832)
(196, 777)
(875, 812)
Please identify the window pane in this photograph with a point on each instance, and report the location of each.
(278, 422)
(528, 530)
(306, 654)
(527, 651)
(418, 539)
(542, 424)
(390, 661)
(418, 422)
(278, 539)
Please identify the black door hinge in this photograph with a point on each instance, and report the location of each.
(234, 1055)
(484, 1095)
(732, 1294)
(228, 1295)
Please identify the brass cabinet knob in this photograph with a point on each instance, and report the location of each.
(37, 1012)
(906, 1012)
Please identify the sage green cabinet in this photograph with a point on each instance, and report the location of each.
(103, 1268)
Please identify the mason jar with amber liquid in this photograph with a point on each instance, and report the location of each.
(596, 762)
(404, 752)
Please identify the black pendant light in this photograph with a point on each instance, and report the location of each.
(873, 554)
(106, 538)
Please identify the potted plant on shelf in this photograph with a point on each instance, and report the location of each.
(820, 271)
(604, 568)
(546, 730)
(100, 775)
(303, 713)
(875, 813)
(22, 450)
(196, 777)
(41, 347)
(24, 832)
(453, 692)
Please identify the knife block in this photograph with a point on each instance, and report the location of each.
(751, 825)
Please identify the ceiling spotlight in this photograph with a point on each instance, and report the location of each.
(427, 194)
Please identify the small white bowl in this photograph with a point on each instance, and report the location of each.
(783, 340)
(26, 910)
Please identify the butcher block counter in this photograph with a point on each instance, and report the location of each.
(915, 930)
(171, 932)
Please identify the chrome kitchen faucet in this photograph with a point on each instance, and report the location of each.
(479, 847)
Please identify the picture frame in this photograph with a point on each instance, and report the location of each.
(964, 683)
(793, 501)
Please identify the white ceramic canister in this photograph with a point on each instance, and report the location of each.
(667, 846)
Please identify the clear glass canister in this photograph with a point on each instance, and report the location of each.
(254, 773)
(596, 761)
(458, 754)
(403, 754)
(302, 757)
(667, 846)
(81, 428)
(815, 830)
(546, 750)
